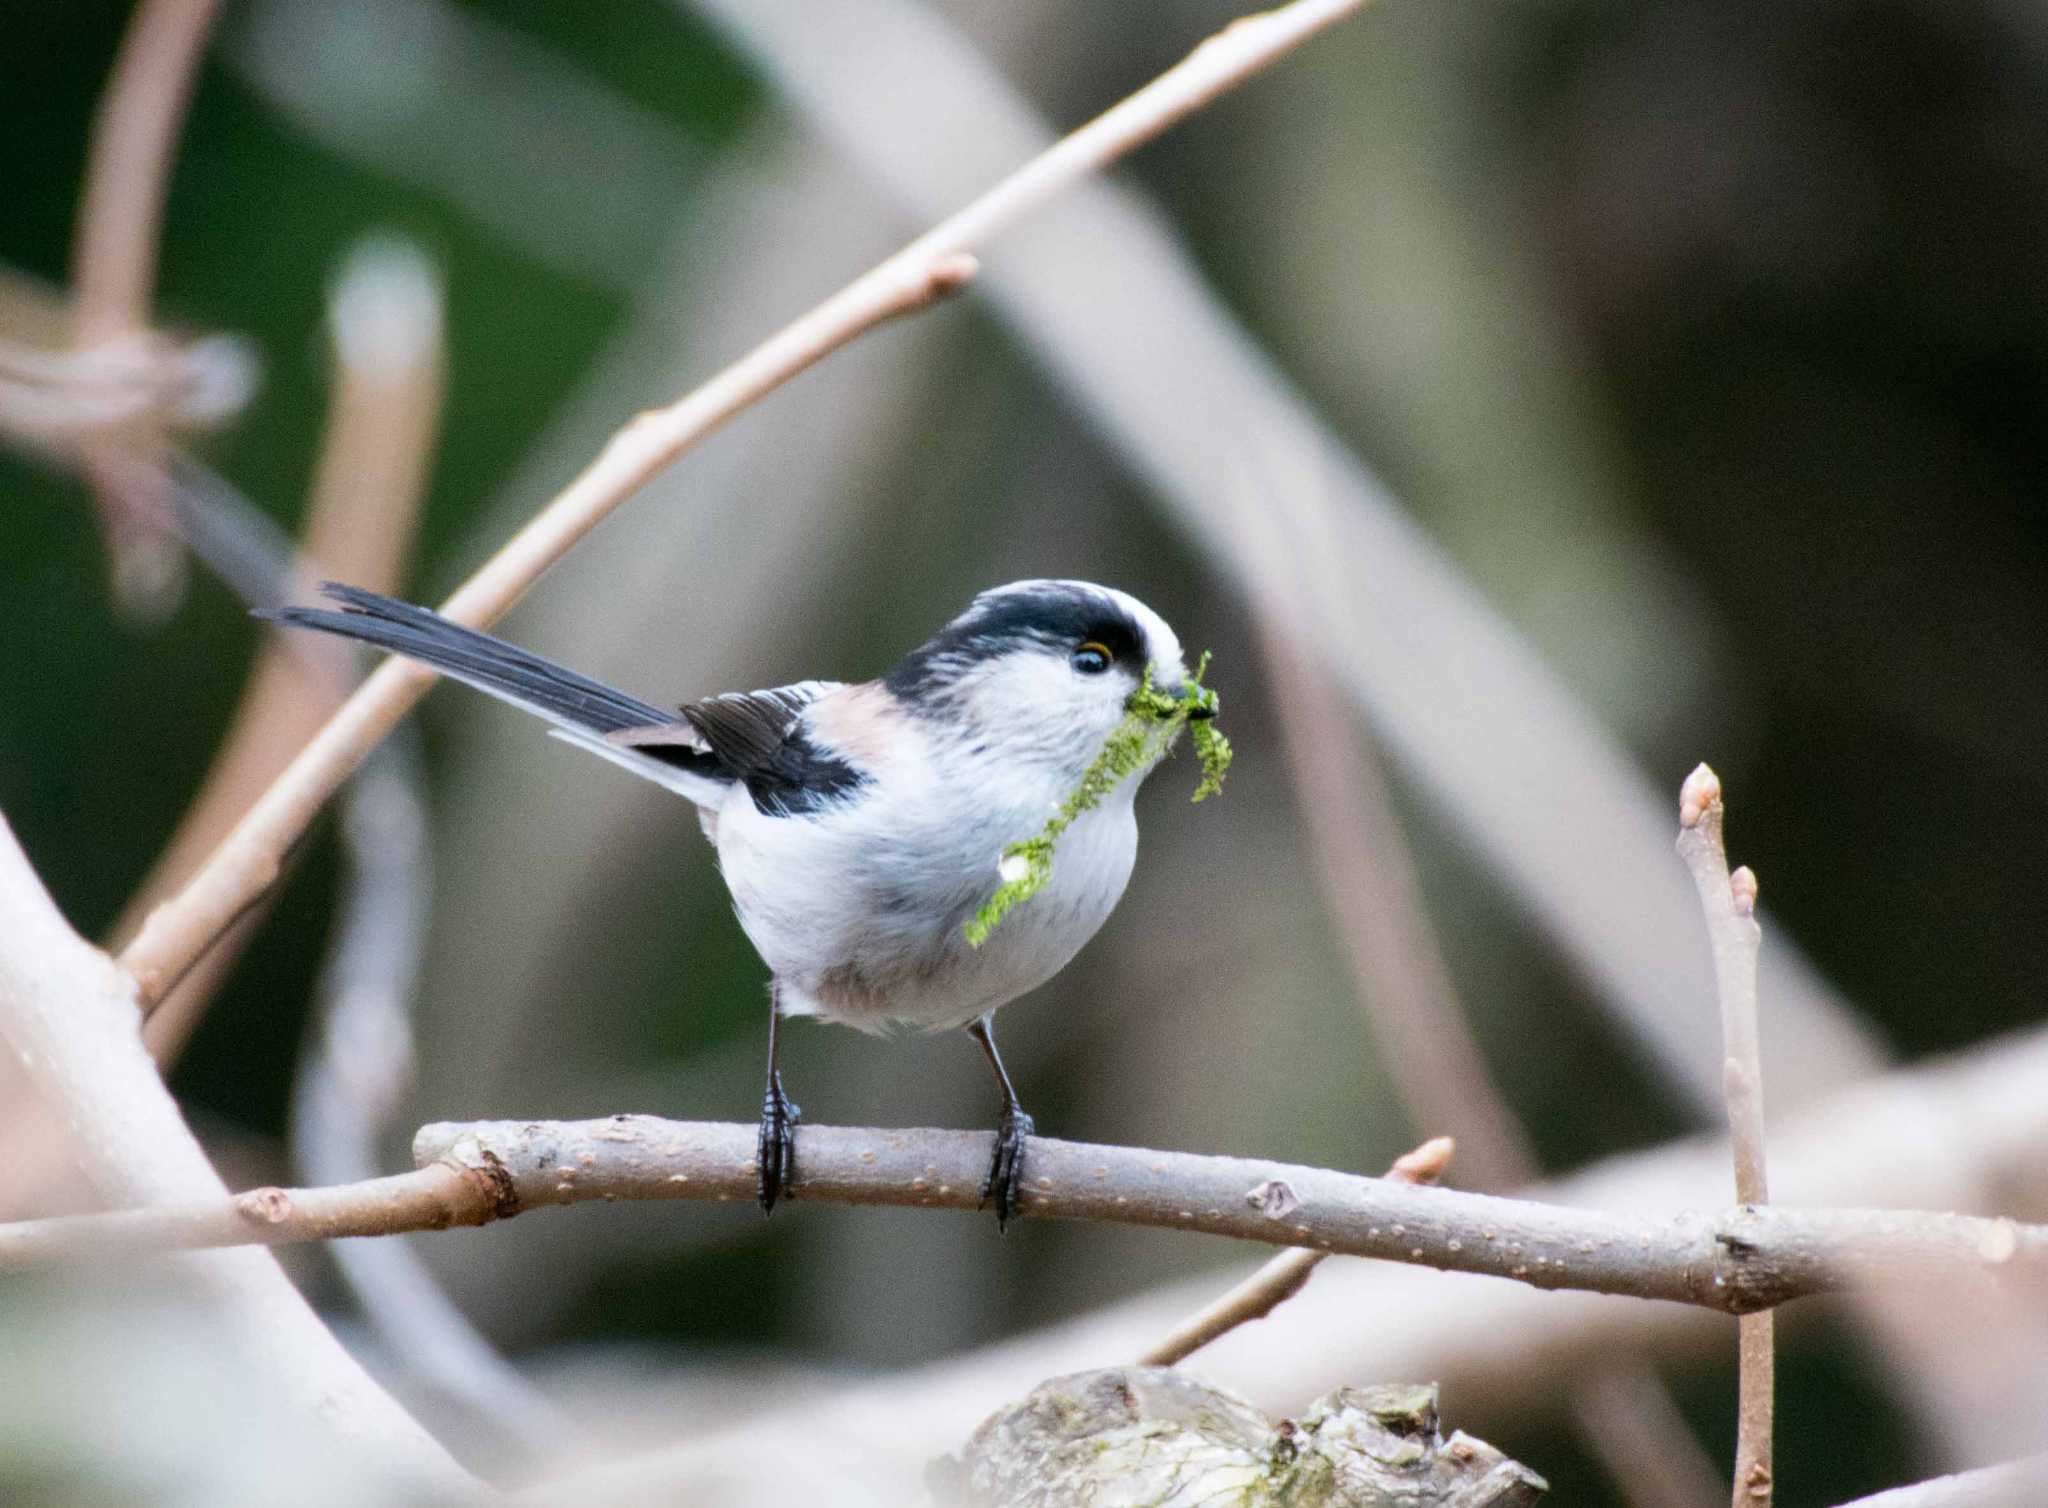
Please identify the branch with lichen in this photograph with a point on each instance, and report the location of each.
(1736, 1261)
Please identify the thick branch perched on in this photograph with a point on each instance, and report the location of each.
(1737, 1261)
(935, 264)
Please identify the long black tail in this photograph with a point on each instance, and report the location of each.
(583, 711)
(489, 663)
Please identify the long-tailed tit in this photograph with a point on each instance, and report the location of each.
(859, 826)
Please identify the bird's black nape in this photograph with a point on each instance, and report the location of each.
(1056, 615)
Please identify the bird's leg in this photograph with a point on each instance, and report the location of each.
(1006, 1171)
(776, 1168)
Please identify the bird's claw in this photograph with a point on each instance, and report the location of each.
(775, 1168)
(1006, 1169)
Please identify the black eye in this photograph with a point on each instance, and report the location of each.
(1091, 658)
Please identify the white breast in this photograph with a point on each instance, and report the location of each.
(860, 910)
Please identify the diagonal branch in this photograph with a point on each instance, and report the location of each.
(1404, 988)
(1736, 1261)
(933, 265)
(378, 443)
(67, 1017)
(1281, 1278)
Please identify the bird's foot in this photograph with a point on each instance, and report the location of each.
(775, 1170)
(1005, 1179)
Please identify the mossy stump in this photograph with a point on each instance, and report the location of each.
(1153, 1437)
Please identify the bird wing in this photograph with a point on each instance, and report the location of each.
(761, 740)
(747, 729)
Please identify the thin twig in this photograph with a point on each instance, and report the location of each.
(1729, 904)
(351, 1081)
(1403, 986)
(1736, 1261)
(932, 266)
(1283, 1276)
(120, 220)
(1369, 885)
(382, 419)
(58, 400)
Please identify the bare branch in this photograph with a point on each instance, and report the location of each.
(1736, 1261)
(67, 1017)
(1369, 886)
(934, 265)
(1937, 1135)
(128, 166)
(382, 419)
(1281, 1278)
(54, 401)
(1625, 1415)
(1403, 986)
(120, 219)
(1729, 904)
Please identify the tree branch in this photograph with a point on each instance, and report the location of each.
(930, 267)
(120, 221)
(384, 409)
(1937, 1135)
(67, 1017)
(1728, 902)
(1736, 1261)
(1424, 1034)
(1282, 1277)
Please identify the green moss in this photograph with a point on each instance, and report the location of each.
(1152, 723)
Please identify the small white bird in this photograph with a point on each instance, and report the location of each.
(859, 827)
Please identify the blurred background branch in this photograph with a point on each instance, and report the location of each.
(1626, 1416)
(67, 1016)
(378, 442)
(1698, 345)
(114, 255)
(2015, 1484)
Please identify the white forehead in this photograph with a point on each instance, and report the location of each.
(1160, 638)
